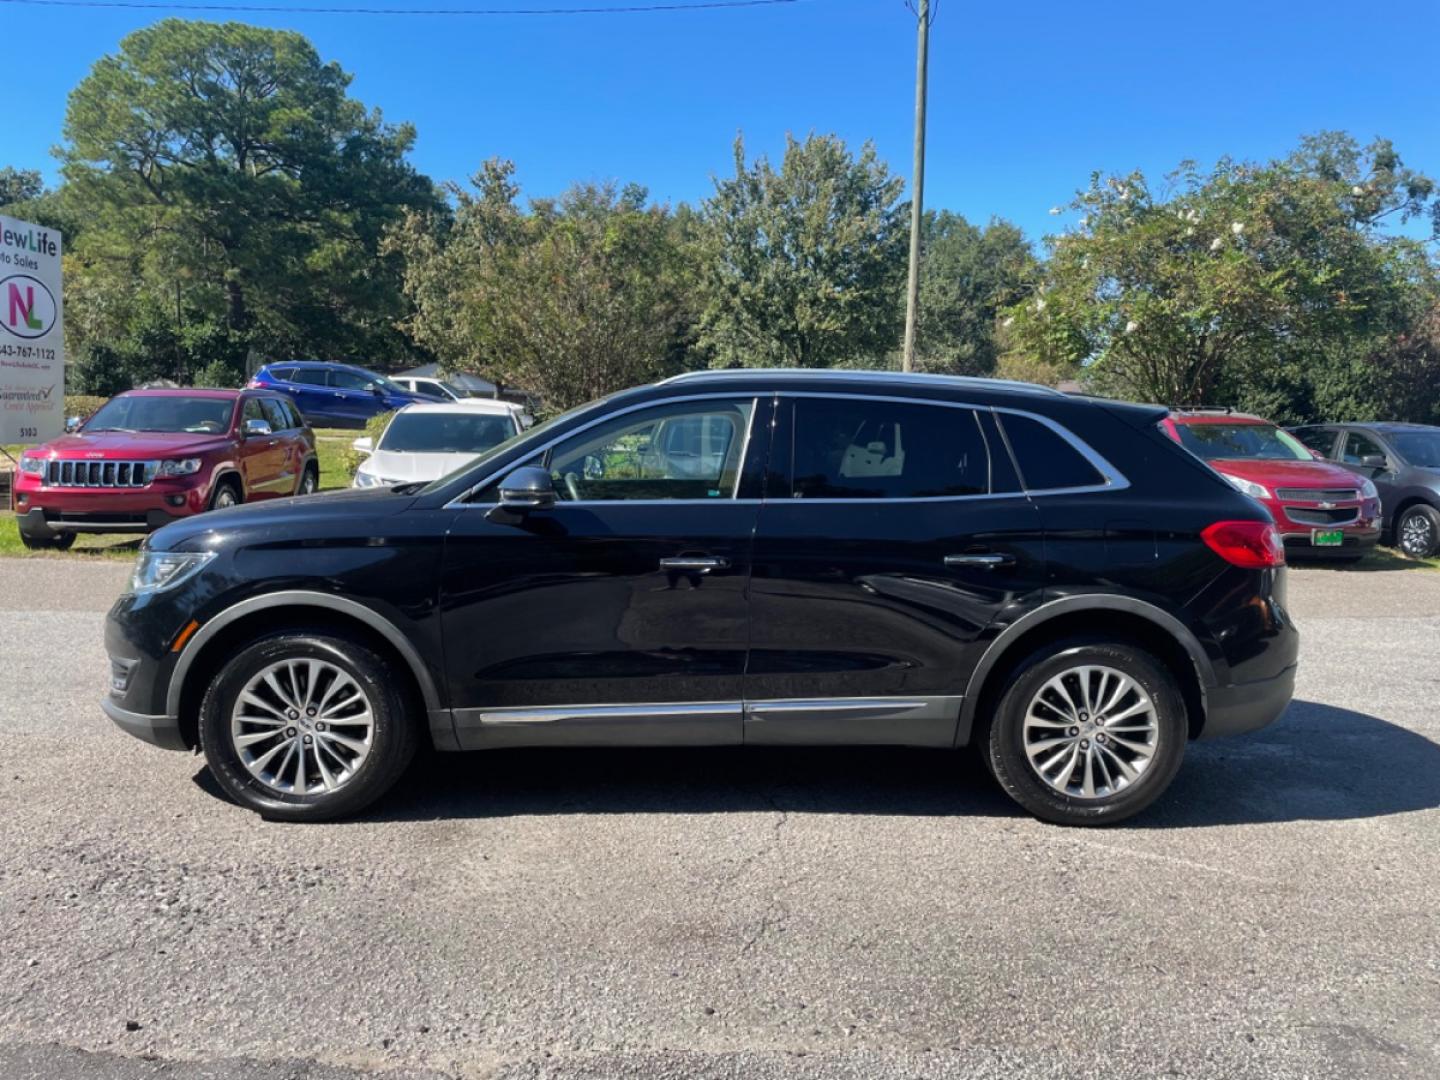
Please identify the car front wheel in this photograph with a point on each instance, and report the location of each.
(1417, 533)
(1087, 732)
(307, 726)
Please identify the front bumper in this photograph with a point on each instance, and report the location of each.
(161, 731)
(1242, 707)
(1356, 540)
(45, 523)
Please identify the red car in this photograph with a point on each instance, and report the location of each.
(1320, 508)
(148, 457)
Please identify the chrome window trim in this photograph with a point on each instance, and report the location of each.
(460, 502)
(1114, 479)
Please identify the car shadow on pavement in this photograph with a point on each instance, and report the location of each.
(1316, 763)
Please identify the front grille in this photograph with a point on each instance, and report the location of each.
(100, 474)
(1341, 515)
(1317, 494)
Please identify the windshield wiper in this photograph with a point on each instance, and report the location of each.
(97, 430)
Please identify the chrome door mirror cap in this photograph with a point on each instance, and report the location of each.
(258, 428)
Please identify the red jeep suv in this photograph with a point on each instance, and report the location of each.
(148, 457)
(1320, 509)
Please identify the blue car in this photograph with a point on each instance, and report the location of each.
(334, 395)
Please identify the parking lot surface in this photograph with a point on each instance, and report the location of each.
(746, 913)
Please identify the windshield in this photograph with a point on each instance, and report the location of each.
(446, 433)
(1264, 442)
(1420, 448)
(196, 415)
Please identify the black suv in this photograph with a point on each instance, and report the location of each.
(1403, 460)
(743, 557)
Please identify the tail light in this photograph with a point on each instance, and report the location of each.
(254, 384)
(1255, 545)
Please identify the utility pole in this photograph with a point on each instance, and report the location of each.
(912, 288)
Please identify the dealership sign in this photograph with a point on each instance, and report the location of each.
(32, 349)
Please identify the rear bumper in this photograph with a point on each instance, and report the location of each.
(161, 731)
(1242, 707)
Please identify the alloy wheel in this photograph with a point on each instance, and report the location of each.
(1090, 732)
(302, 726)
(1416, 534)
(223, 498)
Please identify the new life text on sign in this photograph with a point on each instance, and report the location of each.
(32, 334)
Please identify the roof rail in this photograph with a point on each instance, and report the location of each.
(1226, 409)
(865, 375)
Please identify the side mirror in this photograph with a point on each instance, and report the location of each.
(1375, 461)
(526, 489)
(376, 389)
(364, 445)
(257, 428)
(72, 424)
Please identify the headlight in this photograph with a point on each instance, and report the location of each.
(365, 479)
(1368, 489)
(32, 466)
(180, 467)
(1248, 487)
(156, 571)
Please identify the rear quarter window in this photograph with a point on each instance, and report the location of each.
(1047, 461)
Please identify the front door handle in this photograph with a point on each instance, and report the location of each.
(698, 563)
(983, 562)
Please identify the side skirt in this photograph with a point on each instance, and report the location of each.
(893, 721)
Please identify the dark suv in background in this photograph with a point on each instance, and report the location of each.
(1403, 462)
(748, 557)
(335, 395)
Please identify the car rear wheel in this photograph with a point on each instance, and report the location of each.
(1087, 732)
(307, 726)
(1417, 533)
(309, 481)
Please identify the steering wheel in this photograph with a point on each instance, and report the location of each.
(572, 485)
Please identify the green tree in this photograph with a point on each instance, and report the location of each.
(19, 185)
(224, 170)
(573, 298)
(803, 266)
(968, 275)
(1248, 281)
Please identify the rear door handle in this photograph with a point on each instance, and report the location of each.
(701, 563)
(984, 562)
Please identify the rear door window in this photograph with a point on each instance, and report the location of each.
(309, 376)
(1047, 460)
(853, 448)
(276, 413)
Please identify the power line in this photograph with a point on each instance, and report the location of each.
(628, 9)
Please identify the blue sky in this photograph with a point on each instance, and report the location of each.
(1025, 98)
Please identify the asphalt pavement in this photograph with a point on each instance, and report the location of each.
(748, 913)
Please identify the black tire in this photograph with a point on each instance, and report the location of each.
(59, 542)
(226, 493)
(1417, 532)
(309, 480)
(393, 736)
(1004, 738)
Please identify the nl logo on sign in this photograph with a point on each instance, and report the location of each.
(27, 308)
